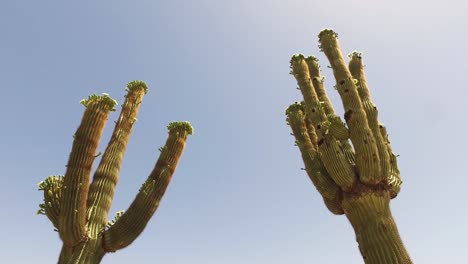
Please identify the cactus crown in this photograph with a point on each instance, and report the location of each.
(50, 182)
(100, 98)
(297, 57)
(355, 54)
(137, 85)
(297, 106)
(326, 32)
(181, 124)
(312, 58)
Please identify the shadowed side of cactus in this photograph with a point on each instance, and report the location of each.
(78, 208)
(351, 165)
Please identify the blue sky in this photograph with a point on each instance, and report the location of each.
(238, 195)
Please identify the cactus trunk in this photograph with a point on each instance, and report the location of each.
(376, 231)
(89, 252)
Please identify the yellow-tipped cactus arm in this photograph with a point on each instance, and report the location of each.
(130, 225)
(72, 222)
(52, 187)
(367, 157)
(357, 71)
(105, 179)
(333, 157)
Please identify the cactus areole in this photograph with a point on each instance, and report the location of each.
(351, 164)
(78, 208)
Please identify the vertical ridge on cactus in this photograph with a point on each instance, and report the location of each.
(351, 164)
(78, 208)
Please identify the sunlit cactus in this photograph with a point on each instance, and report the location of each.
(78, 208)
(351, 165)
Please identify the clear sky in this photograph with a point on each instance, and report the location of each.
(238, 195)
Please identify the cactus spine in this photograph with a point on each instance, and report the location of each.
(79, 209)
(358, 183)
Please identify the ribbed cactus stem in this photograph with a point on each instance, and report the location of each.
(89, 252)
(107, 173)
(310, 155)
(317, 81)
(376, 231)
(357, 71)
(72, 221)
(334, 158)
(367, 158)
(393, 178)
(130, 225)
(337, 128)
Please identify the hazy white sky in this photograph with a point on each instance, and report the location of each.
(238, 195)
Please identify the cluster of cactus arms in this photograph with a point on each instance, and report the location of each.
(78, 208)
(351, 165)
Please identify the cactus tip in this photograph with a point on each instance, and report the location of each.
(103, 98)
(312, 58)
(297, 57)
(327, 32)
(137, 85)
(297, 106)
(181, 124)
(355, 54)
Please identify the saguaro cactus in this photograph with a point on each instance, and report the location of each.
(78, 208)
(353, 167)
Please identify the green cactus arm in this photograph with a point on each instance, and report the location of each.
(357, 71)
(393, 179)
(376, 231)
(52, 187)
(72, 220)
(130, 225)
(105, 178)
(317, 82)
(310, 155)
(307, 144)
(337, 127)
(367, 157)
(333, 157)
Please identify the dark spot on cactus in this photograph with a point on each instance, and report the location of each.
(314, 79)
(313, 110)
(342, 82)
(346, 90)
(365, 141)
(320, 142)
(347, 115)
(318, 127)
